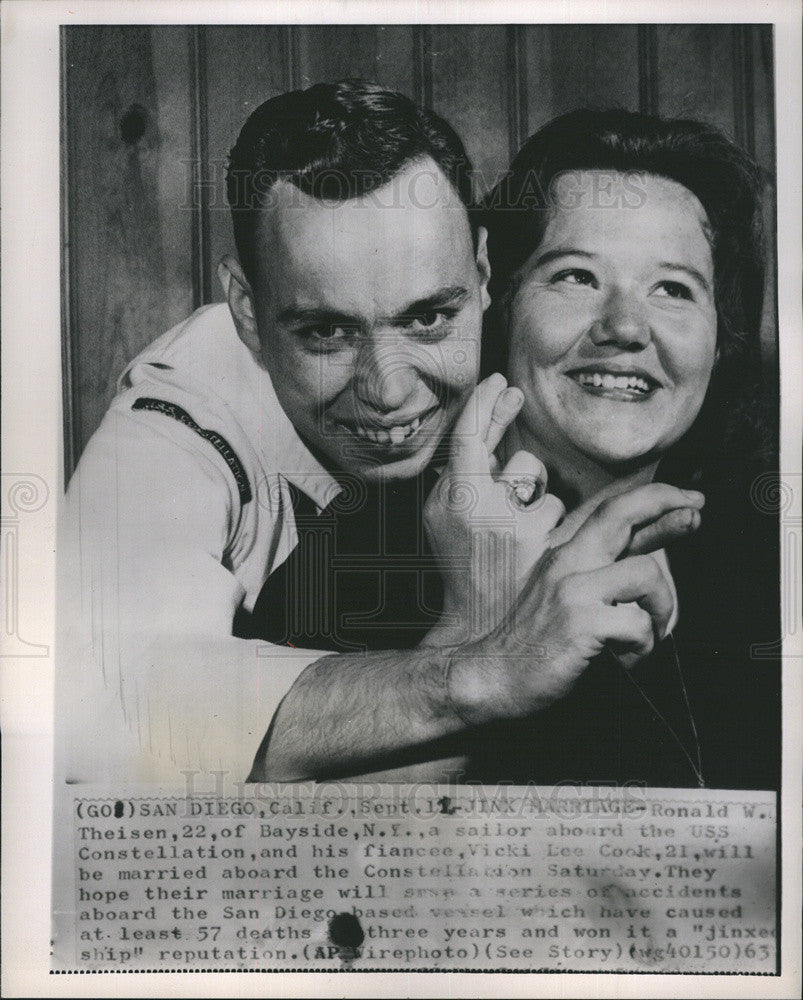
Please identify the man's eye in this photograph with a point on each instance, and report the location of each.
(330, 333)
(575, 276)
(674, 290)
(426, 320)
(433, 322)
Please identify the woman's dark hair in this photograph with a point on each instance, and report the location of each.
(727, 183)
(335, 141)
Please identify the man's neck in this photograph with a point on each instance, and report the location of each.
(375, 487)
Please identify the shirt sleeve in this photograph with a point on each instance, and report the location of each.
(152, 683)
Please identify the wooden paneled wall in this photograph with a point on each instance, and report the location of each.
(149, 114)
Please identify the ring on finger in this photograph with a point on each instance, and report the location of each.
(525, 490)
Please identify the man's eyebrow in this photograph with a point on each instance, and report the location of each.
(315, 316)
(692, 272)
(449, 295)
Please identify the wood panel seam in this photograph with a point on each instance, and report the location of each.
(517, 88)
(201, 263)
(291, 57)
(743, 106)
(422, 64)
(648, 68)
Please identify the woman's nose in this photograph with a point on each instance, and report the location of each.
(623, 322)
(385, 377)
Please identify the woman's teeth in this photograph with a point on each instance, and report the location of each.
(608, 381)
(391, 435)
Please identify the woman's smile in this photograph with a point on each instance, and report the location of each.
(623, 385)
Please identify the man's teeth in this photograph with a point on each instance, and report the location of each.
(391, 435)
(608, 381)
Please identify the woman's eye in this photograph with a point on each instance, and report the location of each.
(674, 290)
(575, 276)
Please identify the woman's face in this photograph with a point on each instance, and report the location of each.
(613, 327)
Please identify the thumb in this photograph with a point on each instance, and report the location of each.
(567, 528)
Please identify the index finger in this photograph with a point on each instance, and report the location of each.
(468, 448)
(657, 534)
(503, 413)
(607, 532)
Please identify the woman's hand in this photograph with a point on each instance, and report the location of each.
(485, 534)
(581, 596)
(488, 539)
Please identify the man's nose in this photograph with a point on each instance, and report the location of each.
(385, 376)
(623, 322)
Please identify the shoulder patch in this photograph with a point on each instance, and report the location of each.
(218, 442)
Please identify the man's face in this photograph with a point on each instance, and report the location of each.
(369, 314)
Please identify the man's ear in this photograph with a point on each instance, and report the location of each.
(483, 265)
(241, 301)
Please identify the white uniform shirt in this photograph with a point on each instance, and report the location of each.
(178, 512)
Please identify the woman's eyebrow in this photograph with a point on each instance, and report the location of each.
(692, 272)
(549, 255)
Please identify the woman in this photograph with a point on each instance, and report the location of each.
(626, 256)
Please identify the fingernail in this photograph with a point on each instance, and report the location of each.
(694, 496)
(512, 398)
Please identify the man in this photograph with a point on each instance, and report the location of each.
(348, 350)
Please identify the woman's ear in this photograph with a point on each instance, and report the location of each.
(241, 301)
(483, 265)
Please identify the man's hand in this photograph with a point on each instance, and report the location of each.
(581, 596)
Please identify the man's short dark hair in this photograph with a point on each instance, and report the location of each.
(335, 141)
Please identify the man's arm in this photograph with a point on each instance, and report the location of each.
(151, 681)
(350, 715)
(360, 713)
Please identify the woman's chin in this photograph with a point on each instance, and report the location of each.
(624, 458)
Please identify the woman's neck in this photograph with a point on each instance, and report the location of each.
(577, 478)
